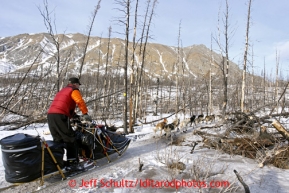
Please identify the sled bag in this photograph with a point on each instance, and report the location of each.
(87, 139)
(118, 141)
(57, 150)
(21, 155)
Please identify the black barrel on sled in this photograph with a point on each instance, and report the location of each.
(21, 155)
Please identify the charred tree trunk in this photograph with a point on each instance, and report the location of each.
(88, 37)
(281, 129)
(245, 58)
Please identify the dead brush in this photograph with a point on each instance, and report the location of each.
(278, 156)
(172, 159)
(205, 169)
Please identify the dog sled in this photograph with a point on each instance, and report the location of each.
(96, 141)
(28, 158)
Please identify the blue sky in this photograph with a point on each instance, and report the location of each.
(269, 32)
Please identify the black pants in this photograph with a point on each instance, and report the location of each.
(61, 131)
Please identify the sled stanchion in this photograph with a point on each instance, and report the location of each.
(100, 141)
(109, 140)
(54, 160)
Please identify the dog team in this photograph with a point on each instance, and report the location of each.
(176, 125)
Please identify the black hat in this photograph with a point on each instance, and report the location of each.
(74, 80)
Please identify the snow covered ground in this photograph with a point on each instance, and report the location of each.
(204, 170)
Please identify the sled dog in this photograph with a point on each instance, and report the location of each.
(192, 119)
(171, 127)
(184, 124)
(160, 126)
(200, 118)
(210, 118)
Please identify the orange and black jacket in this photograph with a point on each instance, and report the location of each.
(66, 100)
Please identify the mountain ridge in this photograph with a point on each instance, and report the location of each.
(22, 51)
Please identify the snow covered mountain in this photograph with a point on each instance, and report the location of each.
(41, 52)
(6, 67)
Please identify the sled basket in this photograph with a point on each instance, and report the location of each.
(97, 142)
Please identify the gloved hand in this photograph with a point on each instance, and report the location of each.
(86, 117)
(75, 116)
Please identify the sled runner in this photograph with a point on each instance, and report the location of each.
(27, 158)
